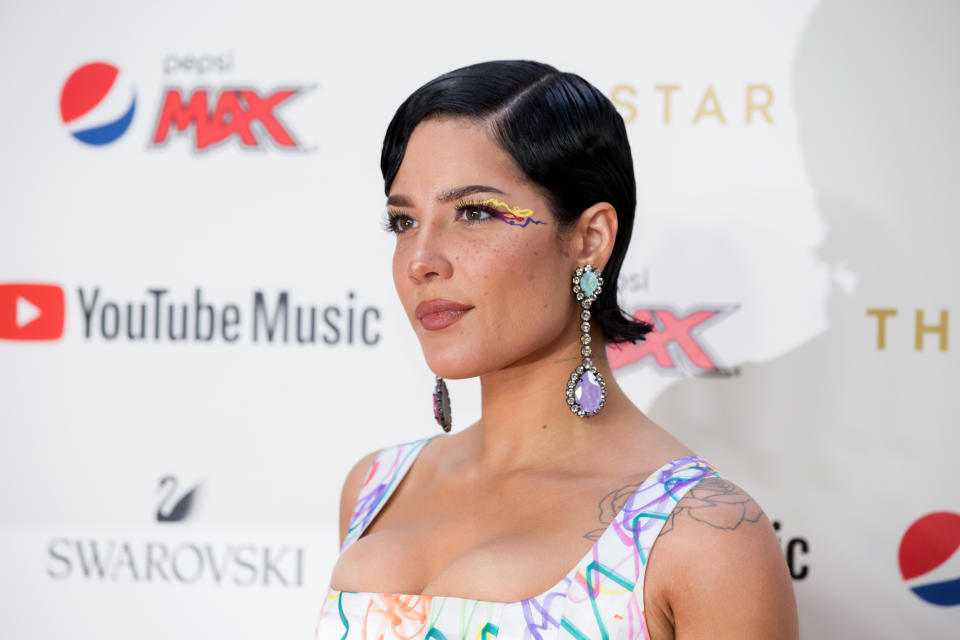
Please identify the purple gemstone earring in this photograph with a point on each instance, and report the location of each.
(441, 404)
(586, 390)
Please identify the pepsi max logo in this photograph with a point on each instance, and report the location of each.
(97, 103)
(675, 346)
(929, 562)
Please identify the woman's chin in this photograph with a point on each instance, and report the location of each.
(449, 365)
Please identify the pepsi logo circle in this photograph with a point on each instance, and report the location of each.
(929, 562)
(97, 103)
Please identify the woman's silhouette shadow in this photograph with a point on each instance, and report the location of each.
(845, 443)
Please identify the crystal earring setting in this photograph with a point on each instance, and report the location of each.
(586, 390)
(441, 404)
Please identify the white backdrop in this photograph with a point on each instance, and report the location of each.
(796, 169)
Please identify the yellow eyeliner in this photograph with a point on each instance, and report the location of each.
(517, 211)
(511, 215)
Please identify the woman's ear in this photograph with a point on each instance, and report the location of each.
(595, 233)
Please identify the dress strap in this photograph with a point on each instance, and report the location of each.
(387, 469)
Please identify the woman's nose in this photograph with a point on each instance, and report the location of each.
(429, 259)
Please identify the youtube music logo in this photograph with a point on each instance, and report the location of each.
(31, 311)
(36, 312)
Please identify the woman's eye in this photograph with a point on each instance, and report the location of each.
(473, 214)
(398, 223)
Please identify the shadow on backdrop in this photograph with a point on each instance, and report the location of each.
(834, 436)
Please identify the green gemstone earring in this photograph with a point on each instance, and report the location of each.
(586, 390)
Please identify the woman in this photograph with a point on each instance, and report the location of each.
(511, 192)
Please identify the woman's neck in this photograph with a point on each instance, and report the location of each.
(525, 422)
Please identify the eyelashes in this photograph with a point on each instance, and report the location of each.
(394, 220)
(463, 206)
(389, 222)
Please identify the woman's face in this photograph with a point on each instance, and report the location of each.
(494, 252)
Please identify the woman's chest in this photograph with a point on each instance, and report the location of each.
(501, 547)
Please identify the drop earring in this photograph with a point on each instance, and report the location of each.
(441, 404)
(586, 390)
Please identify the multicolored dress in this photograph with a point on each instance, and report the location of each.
(601, 597)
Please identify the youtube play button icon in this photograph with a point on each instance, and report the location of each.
(31, 311)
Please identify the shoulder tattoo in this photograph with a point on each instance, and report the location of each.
(609, 506)
(717, 503)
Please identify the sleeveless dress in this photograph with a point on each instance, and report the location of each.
(600, 598)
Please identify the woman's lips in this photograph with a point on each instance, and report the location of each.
(439, 314)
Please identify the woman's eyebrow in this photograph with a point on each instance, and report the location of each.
(459, 192)
(398, 200)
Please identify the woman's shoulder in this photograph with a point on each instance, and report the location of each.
(718, 562)
(360, 472)
(360, 469)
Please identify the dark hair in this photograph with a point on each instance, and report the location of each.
(563, 133)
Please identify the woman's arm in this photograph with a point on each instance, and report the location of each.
(717, 571)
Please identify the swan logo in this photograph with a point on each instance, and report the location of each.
(97, 103)
(170, 510)
(928, 558)
(675, 346)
